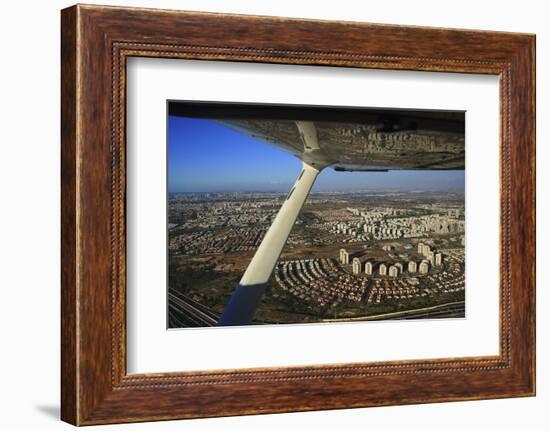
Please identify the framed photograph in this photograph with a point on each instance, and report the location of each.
(268, 215)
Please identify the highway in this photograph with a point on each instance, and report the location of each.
(186, 313)
(449, 310)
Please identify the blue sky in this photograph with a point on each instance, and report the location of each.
(204, 156)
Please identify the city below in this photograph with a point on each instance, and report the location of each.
(351, 256)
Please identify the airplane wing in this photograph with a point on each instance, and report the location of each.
(356, 147)
(351, 139)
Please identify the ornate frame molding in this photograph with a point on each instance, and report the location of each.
(96, 41)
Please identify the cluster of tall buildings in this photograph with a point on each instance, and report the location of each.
(431, 259)
(434, 258)
(395, 223)
(353, 229)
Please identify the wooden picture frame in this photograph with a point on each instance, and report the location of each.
(96, 41)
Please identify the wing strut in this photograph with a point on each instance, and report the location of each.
(242, 305)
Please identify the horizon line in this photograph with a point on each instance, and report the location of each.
(321, 191)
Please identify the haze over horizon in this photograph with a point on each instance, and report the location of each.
(205, 156)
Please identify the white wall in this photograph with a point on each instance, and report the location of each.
(29, 215)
